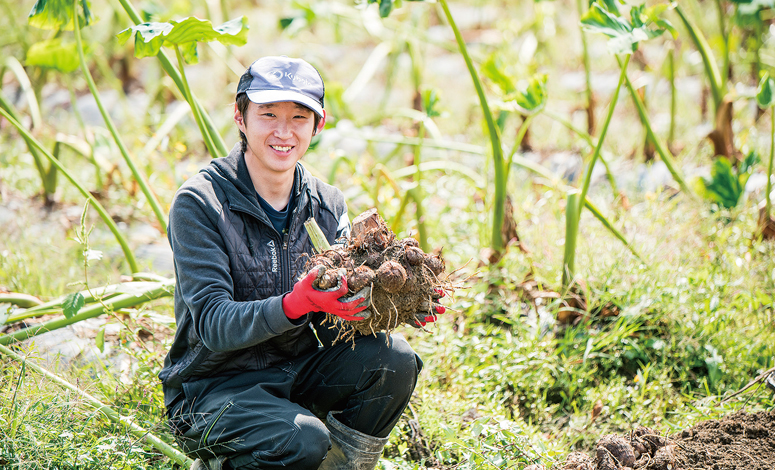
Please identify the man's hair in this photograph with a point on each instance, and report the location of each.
(243, 102)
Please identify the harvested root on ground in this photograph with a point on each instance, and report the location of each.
(405, 280)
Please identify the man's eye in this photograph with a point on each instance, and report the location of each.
(268, 114)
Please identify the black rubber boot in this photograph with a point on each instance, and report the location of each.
(351, 449)
(770, 381)
(212, 464)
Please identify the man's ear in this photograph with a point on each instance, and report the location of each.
(238, 119)
(321, 124)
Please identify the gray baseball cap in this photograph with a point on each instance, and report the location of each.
(274, 79)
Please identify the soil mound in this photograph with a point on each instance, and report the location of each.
(736, 442)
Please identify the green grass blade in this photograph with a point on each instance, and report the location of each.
(711, 69)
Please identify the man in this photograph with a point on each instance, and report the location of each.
(252, 380)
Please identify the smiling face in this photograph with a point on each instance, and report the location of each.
(278, 135)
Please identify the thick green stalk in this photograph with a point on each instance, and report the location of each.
(141, 181)
(316, 236)
(663, 152)
(711, 69)
(163, 289)
(130, 257)
(499, 199)
(603, 132)
(143, 434)
(194, 109)
(768, 205)
(572, 216)
(168, 67)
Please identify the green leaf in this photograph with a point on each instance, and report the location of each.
(430, 102)
(765, 94)
(493, 70)
(185, 33)
(99, 340)
(57, 14)
(53, 54)
(531, 98)
(625, 35)
(72, 304)
(724, 187)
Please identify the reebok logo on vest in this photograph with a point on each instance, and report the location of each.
(273, 253)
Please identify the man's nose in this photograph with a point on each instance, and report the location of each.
(283, 129)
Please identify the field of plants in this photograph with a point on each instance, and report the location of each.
(596, 176)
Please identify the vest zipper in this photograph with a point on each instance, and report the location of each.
(286, 260)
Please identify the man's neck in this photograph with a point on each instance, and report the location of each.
(273, 188)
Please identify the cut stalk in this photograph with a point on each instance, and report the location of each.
(166, 449)
(141, 181)
(572, 215)
(163, 289)
(316, 236)
(663, 152)
(168, 67)
(130, 257)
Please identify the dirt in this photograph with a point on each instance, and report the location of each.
(406, 283)
(736, 442)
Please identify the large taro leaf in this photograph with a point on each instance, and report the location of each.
(625, 35)
(57, 14)
(765, 94)
(185, 33)
(53, 54)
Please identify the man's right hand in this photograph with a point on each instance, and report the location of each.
(304, 298)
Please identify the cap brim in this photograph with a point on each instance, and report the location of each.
(276, 96)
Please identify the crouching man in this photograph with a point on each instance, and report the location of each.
(252, 380)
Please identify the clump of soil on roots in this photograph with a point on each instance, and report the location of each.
(736, 442)
(404, 280)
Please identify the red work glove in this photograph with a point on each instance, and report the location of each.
(423, 318)
(304, 298)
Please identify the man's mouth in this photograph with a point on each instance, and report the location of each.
(282, 148)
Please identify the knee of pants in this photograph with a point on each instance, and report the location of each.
(310, 446)
(401, 359)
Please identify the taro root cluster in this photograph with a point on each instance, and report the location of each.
(404, 280)
(641, 449)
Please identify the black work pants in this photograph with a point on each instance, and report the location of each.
(272, 418)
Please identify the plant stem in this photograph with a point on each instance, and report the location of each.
(572, 216)
(141, 181)
(166, 64)
(671, 78)
(711, 69)
(162, 289)
(316, 236)
(46, 180)
(130, 257)
(768, 205)
(587, 70)
(725, 44)
(417, 193)
(166, 449)
(663, 152)
(604, 131)
(194, 109)
(499, 199)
